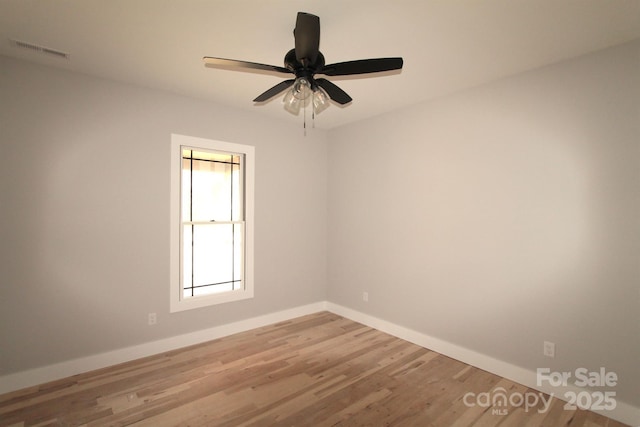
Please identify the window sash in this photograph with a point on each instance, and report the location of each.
(209, 209)
(224, 271)
(209, 263)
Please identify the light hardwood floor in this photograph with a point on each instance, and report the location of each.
(316, 370)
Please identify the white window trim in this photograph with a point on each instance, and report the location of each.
(177, 302)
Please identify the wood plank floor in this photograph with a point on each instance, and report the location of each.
(316, 370)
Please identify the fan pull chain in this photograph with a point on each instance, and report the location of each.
(304, 123)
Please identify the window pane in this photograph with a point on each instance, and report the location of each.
(213, 258)
(212, 254)
(211, 186)
(210, 191)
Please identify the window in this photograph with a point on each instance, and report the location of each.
(211, 222)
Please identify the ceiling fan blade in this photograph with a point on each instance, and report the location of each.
(274, 90)
(307, 37)
(233, 63)
(362, 66)
(334, 92)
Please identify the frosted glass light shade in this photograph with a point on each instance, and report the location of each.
(301, 88)
(291, 103)
(320, 100)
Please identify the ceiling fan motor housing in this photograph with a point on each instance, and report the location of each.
(302, 70)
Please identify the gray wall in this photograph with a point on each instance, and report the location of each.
(501, 217)
(84, 209)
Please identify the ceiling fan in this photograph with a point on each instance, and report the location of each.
(304, 62)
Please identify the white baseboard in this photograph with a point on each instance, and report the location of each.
(32, 377)
(623, 412)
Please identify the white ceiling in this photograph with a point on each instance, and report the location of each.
(447, 45)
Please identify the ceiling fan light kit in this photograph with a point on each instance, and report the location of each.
(304, 62)
(299, 96)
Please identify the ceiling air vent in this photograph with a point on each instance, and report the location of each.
(40, 49)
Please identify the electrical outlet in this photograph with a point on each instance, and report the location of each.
(365, 296)
(153, 319)
(549, 349)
